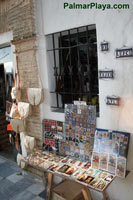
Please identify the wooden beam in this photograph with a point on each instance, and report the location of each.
(49, 186)
(105, 195)
(86, 193)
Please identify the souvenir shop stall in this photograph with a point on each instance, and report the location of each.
(79, 152)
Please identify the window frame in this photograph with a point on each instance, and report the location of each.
(56, 68)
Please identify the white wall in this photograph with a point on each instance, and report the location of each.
(5, 39)
(116, 27)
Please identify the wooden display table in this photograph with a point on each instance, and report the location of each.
(85, 190)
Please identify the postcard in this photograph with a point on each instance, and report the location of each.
(103, 161)
(126, 140)
(102, 146)
(54, 168)
(65, 160)
(116, 147)
(90, 171)
(121, 167)
(123, 150)
(122, 137)
(63, 168)
(102, 184)
(73, 162)
(96, 145)
(112, 163)
(79, 164)
(87, 165)
(96, 173)
(70, 170)
(94, 182)
(110, 146)
(83, 177)
(59, 127)
(103, 175)
(109, 178)
(89, 179)
(77, 173)
(95, 160)
(114, 136)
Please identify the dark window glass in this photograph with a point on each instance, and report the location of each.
(74, 54)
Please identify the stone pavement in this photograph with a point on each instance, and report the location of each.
(16, 184)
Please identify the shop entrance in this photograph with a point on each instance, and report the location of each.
(6, 83)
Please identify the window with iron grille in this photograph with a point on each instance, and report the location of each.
(73, 67)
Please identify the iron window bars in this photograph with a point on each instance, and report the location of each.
(75, 66)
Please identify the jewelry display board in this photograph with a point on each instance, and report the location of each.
(110, 151)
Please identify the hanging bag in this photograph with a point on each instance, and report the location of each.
(16, 92)
(14, 111)
(35, 96)
(24, 109)
(29, 143)
(21, 161)
(18, 125)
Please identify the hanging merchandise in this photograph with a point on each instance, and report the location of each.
(29, 143)
(35, 96)
(18, 125)
(110, 151)
(24, 109)
(23, 148)
(14, 111)
(16, 92)
(20, 161)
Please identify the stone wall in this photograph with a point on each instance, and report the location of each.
(18, 16)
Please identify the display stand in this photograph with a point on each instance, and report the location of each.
(85, 191)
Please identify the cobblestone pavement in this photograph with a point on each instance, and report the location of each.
(16, 184)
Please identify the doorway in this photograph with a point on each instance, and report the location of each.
(6, 83)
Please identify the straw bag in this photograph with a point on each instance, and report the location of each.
(35, 96)
(24, 109)
(18, 125)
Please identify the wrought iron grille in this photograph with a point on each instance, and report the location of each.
(73, 54)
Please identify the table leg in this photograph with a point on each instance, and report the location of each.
(86, 193)
(49, 186)
(105, 195)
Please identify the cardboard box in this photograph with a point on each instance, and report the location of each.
(67, 190)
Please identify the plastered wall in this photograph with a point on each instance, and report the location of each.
(116, 27)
